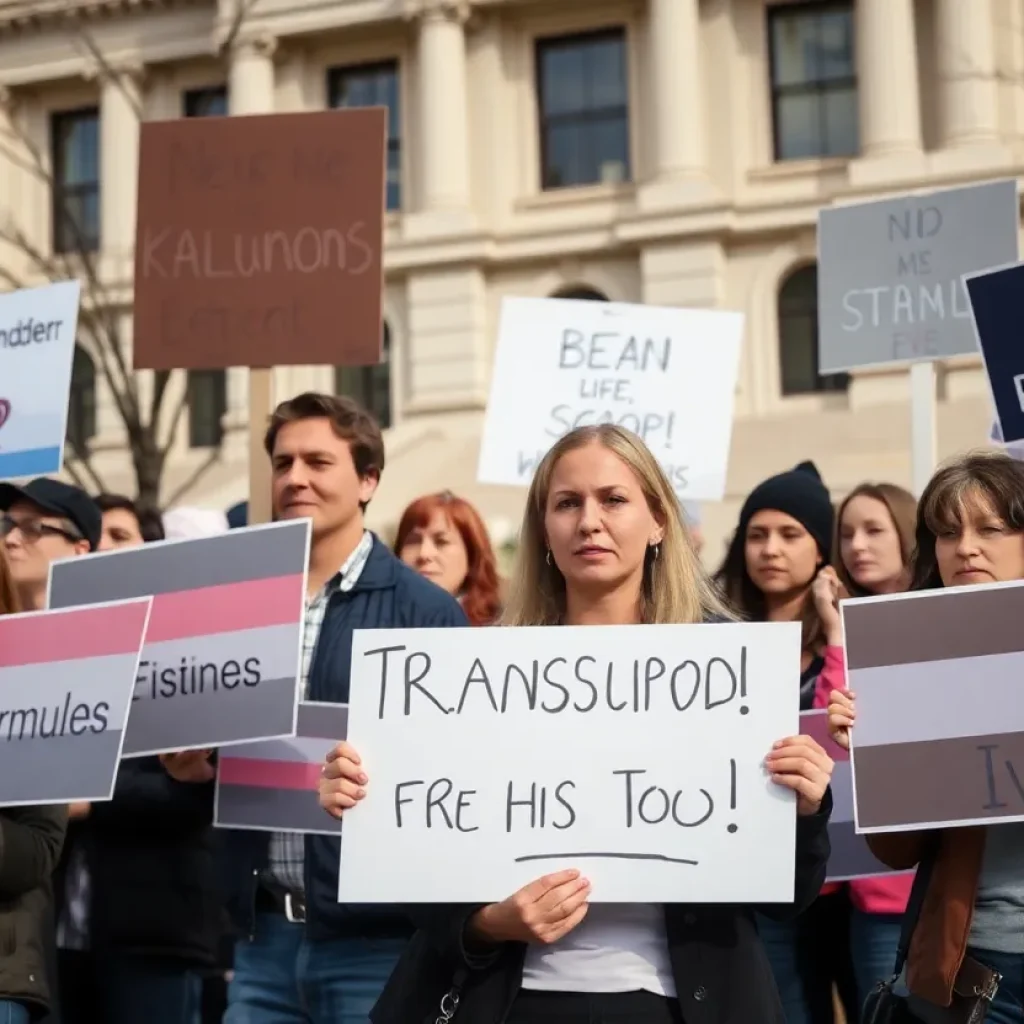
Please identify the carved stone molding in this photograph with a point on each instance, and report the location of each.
(126, 71)
(437, 10)
(251, 43)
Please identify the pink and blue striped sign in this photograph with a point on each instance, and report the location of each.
(66, 683)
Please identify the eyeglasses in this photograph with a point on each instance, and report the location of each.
(32, 529)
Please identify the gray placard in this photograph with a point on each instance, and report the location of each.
(890, 286)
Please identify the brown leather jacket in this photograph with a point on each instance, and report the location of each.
(940, 939)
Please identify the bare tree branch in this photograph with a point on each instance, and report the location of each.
(243, 8)
(79, 31)
(195, 476)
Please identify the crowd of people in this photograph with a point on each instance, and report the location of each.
(138, 910)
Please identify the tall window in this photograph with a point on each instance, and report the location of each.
(75, 150)
(370, 386)
(798, 337)
(374, 85)
(207, 389)
(82, 400)
(209, 102)
(207, 404)
(583, 98)
(814, 80)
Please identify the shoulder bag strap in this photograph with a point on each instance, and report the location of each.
(918, 892)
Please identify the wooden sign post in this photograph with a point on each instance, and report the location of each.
(259, 244)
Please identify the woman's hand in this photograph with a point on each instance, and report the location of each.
(342, 780)
(841, 716)
(801, 764)
(541, 912)
(189, 766)
(826, 590)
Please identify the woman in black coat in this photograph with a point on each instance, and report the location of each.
(602, 543)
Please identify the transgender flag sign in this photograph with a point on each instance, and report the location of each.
(221, 659)
(66, 682)
(851, 857)
(273, 785)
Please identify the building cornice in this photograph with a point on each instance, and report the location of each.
(34, 15)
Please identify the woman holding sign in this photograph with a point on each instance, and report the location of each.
(970, 929)
(603, 543)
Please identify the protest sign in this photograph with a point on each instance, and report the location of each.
(939, 740)
(996, 307)
(37, 348)
(259, 240)
(851, 857)
(221, 660)
(66, 681)
(273, 786)
(498, 755)
(890, 286)
(1015, 449)
(668, 375)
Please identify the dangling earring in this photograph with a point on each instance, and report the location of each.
(547, 557)
(656, 548)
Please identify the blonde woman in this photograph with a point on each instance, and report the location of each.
(602, 543)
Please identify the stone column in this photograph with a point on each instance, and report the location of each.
(442, 94)
(680, 144)
(251, 75)
(120, 115)
(890, 103)
(967, 80)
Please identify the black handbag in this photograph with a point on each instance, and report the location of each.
(975, 985)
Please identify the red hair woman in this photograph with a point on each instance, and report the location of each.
(444, 539)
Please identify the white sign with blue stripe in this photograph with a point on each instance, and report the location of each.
(37, 348)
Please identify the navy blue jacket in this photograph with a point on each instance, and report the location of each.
(388, 594)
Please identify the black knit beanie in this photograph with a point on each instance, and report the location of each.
(801, 494)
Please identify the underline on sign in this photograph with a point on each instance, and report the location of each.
(606, 856)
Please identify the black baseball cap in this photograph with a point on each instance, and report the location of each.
(59, 499)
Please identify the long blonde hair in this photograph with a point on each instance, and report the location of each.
(675, 587)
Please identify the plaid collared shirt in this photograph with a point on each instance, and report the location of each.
(287, 849)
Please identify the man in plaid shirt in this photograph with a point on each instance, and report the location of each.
(305, 958)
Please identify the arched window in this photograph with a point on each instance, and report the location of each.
(82, 401)
(581, 292)
(370, 386)
(207, 404)
(798, 337)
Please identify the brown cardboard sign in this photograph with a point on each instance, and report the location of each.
(259, 240)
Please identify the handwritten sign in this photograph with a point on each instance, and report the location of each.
(259, 240)
(273, 786)
(668, 375)
(66, 681)
(221, 659)
(937, 678)
(37, 348)
(498, 755)
(890, 286)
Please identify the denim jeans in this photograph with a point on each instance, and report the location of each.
(873, 942)
(13, 1013)
(1008, 1005)
(282, 978)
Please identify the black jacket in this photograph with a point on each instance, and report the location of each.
(387, 594)
(721, 971)
(30, 845)
(151, 855)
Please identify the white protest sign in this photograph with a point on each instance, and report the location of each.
(498, 755)
(37, 347)
(668, 375)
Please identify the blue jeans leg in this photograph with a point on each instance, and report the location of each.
(1008, 1005)
(136, 989)
(780, 943)
(873, 942)
(13, 1013)
(264, 987)
(341, 980)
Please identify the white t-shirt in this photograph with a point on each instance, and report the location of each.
(618, 947)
